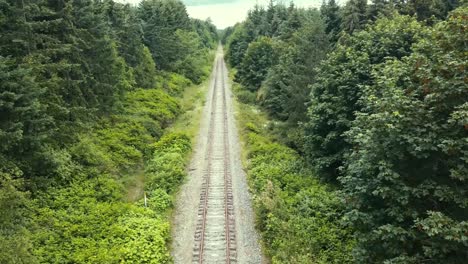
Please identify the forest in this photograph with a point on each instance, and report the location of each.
(362, 156)
(87, 89)
(353, 118)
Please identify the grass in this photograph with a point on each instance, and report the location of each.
(192, 103)
(135, 186)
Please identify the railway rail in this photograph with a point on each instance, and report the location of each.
(215, 234)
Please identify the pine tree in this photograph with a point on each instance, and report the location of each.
(354, 15)
(99, 57)
(161, 21)
(379, 7)
(286, 89)
(331, 15)
(291, 24)
(237, 44)
(24, 124)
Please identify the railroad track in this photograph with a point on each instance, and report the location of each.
(215, 236)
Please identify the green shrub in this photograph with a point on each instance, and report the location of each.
(167, 168)
(154, 104)
(86, 219)
(246, 97)
(146, 239)
(300, 219)
(173, 83)
(159, 200)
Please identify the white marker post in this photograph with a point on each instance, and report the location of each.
(145, 199)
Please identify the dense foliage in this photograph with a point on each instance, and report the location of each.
(299, 218)
(374, 97)
(406, 176)
(338, 88)
(83, 107)
(275, 52)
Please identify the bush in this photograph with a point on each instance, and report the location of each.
(167, 169)
(246, 97)
(154, 104)
(300, 219)
(173, 83)
(146, 239)
(86, 220)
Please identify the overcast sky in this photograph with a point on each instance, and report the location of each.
(226, 13)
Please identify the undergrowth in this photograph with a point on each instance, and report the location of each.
(299, 217)
(89, 218)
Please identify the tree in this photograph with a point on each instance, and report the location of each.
(24, 125)
(258, 59)
(145, 70)
(237, 44)
(292, 24)
(162, 18)
(286, 89)
(206, 32)
(192, 56)
(127, 31)
(354, 15)
(335, 95)
(406, 178)
(330, 12)
(425, 9)
(379, 7)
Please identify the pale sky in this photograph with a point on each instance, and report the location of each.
(226, 13)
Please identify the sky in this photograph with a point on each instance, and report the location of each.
(225, 13)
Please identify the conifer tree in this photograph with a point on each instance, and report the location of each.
(162, 18)
(354, 15)
(291, 24)
(379, 7)
(331, 15)
(286, 89)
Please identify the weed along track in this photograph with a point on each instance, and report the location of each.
(215, 236)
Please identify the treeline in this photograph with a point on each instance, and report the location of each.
(86, 89)
(374, 97)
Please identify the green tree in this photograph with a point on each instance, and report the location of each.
(24, 124)
(162, 18)
(286, 89)
(425, 9)
(192, 57)
(145, 70)
(379, 7)
(127, 31)
(336, 92)
(293, 22)
(237, 44)
(331, 15)
(354, 15)
(258, 59)
(207, 32)
(406, 178)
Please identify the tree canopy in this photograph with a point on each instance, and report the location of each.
(86, 86)
(374, 96)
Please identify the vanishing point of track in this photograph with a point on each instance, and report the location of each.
(215, 235)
